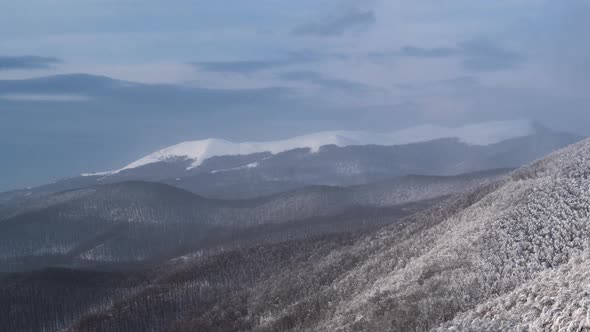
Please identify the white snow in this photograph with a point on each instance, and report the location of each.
(251, 165)
(198, 151)
(96, 174)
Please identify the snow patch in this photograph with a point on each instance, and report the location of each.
(251, 165)
(96, 174)
(198, 151)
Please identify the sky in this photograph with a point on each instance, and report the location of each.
(93, 85)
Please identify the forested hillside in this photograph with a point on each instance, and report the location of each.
(141, 222)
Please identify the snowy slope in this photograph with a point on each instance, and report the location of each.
(530, 224)
(198, 151)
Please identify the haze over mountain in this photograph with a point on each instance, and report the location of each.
(134, 222)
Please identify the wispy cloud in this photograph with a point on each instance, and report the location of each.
(109, 94)
(438, 52)
(251, 66)
(43, 97)
(247, 66)
(477, 54)
(484, 55)
(337, 24)
(27, 62)
(308, 76)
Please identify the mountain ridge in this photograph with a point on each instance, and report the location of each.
(262, 174)
(198, 151)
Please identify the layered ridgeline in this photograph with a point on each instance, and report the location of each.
(223, 169)
(512, 255)
(141, 222)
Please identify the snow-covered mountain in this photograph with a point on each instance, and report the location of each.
(198, 151)
(221, 169)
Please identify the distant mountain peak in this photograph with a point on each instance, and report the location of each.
(198, 151)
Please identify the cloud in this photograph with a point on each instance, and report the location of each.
(107, 94)
(484, 55)
(243, 66)
(477, 54)
(439, 52)
(27, 62)
(250, 66)
(459, 83)
(307, 76)
(554, 37)
(336, 25)
(43, 97)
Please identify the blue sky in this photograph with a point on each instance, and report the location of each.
(92, 85)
